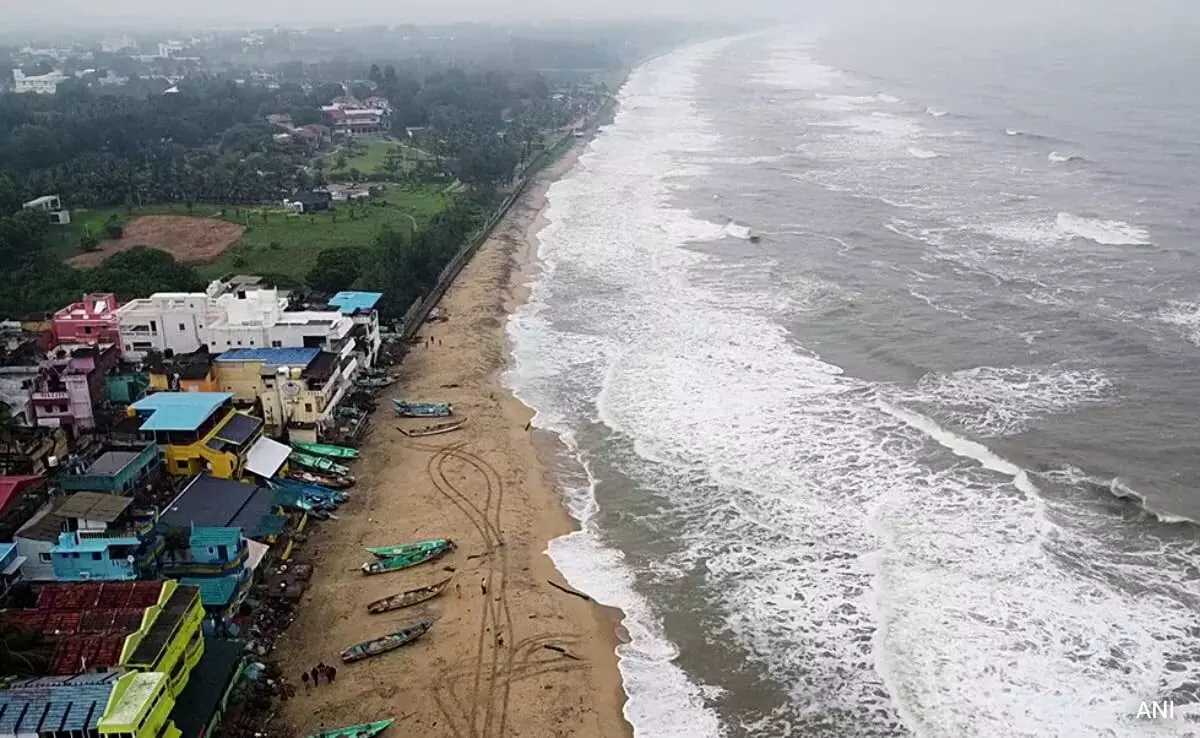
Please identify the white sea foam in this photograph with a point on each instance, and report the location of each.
(1003, 401)
(878, 566)
(884, 97)
(936, 113)
(1106, 232)
(1013, 132)
(1058, 158)
(738, 231)
(1185, 316)
(919, 153)
(795, 69)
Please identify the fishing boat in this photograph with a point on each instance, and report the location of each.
(389, 642)
(402, 549)
(406, 560)
(422, 409)
(318, 464)
(331, 481)
(327, 450)
(435, 429)
(365, 730)
(409, 598)
(375, 382)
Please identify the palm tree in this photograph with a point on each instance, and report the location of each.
(176, 541)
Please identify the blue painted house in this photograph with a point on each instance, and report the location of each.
(362, 308)
(116, 470)
(102, 539)
(10, 566)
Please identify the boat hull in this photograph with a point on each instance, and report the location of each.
(384, 644)
(406, 561)
(435, 429)
(422, 409)
(365, 730)
(384, 552)
(407, 599)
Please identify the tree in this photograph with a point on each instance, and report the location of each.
(176, 542)
(335, 270)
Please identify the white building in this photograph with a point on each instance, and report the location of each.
(169, 48)
(228, 316)
(42, 84)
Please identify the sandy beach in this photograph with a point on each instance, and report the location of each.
(509, 655)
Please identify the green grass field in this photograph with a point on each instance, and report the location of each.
(283, 243)
(370, 160)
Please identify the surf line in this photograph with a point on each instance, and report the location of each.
(968, 449)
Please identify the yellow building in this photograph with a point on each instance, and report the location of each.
(297, 388)
(170, 639)
(184, 373)
(140, 707)
(201, 431)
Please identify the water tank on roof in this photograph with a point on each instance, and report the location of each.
(296, 372)
(281, 371)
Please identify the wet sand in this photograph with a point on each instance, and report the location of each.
(509, 655)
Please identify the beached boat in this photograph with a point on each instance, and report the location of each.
(409, 598)
(402, 549)
(406, 560)
(422, 409)
(389, 642)
(435, 429)
(375, 382)
(318, 464)
(327, 450)
(365, 730)
(331, 481)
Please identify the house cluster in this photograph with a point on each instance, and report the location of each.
(145, 553)
(352, 118)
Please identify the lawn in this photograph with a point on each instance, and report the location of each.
(373, 153)
(282, 242)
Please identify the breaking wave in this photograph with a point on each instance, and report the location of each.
(1105, 232)
(922, 153)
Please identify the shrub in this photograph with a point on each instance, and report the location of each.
(89, 243)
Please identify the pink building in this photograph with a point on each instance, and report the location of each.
(90, 321)
(71, 383)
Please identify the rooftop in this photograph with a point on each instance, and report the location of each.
(214, 591)
(178, 411)
(164, 626)
(133, 692)
(266, 456)
(216, 537)
(110, 463)
(206, 685)
(94, 506)
(297, 357)
(352, 302)
(209, 502)
(47, 706)
(13, 487)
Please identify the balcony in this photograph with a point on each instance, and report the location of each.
(62, 396)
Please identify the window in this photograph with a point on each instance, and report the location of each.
(251, 341)
(308, 407)
(153, 326)
(182, 327)
(95, 556)
(181, 465)
(276, 344)
(239, 342)
(44, 558)
(87, 329)
(229, 343)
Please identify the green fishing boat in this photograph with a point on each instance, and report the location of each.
(389, 642)
(318, 464)
(385, 552)
(366, 730)
(407, 560)
(327, 450)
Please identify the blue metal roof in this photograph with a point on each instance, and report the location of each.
(351, 302)
(48, 707)
(294, 356)
(216, 537)
(214, 591)
(178, 411)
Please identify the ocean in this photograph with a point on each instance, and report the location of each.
(921, 458)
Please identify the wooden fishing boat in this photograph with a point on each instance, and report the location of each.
(422, 409)
(318, 464)
(406, 560)
(365, 730)
(375, 382)
(432, 430)
(402, 549)
(409, 598)
(331, 481)
(389, 642)
(328, 450)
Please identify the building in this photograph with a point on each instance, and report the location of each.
(352, 118)
(105, 539)
(190, 372)
(297, 388)
(41, 84)
(51, 205)
(20, 498)
(361, 307)
(90, 321)
(227, 315)
(10, 567)
(309, 202)
(71, 385)
(115, 469)
(56, 707)
(201, 431)
(167, 49)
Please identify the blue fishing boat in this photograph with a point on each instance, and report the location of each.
(422, 409)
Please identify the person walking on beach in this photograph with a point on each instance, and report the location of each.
(330, 673)
(483, 587)
(323, 670)
(315, 676)
(304, 678)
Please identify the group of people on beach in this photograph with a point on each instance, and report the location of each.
(313, 676)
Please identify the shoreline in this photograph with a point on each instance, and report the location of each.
(508, 654)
